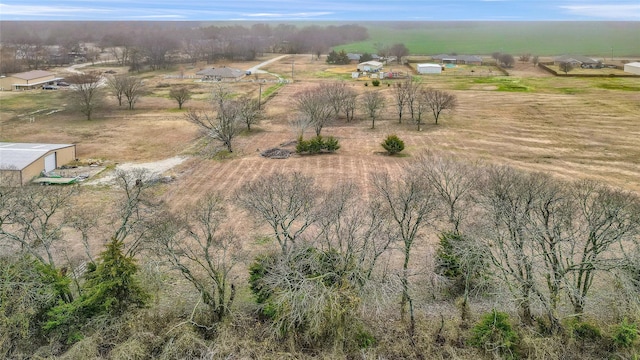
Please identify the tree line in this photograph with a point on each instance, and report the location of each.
(543, 245)
(158, 45)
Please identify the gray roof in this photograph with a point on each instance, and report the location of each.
(575, 58)
(356, 57)
(224, 72)
(17, 156)
(33, 74)
(465, 58)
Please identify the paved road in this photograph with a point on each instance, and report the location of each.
(256, 69)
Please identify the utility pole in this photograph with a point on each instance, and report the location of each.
(293, 61)
(612, 54)
(260, 95)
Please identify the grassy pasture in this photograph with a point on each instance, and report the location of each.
(541, 38)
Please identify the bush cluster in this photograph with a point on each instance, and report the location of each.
(393, 144)
(317, 145)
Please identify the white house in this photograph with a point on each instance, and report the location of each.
(370, 66)
(633, 68)
(429, 68)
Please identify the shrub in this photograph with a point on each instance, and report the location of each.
(393, 144)
(366, 84)
(625, 334)
(312, 296)
(331, 144)
(585, 331)
(317, 145)
(111, 289)
(375, 82)
(494, 334)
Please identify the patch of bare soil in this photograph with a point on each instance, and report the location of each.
(527, 70)
(157, 168)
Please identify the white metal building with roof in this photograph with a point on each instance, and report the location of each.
(371, 66)
(21, 162)
(429, 68)
(632, 67)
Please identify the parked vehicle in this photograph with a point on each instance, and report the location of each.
(49, 87)
(62, 83)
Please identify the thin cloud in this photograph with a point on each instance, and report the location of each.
(287, 16)
(614, 11)
(46, 11)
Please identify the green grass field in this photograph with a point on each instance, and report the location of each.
(540, 38)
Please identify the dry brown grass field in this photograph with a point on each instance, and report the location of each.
(569, 127)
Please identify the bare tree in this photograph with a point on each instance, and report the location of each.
(204, 253)
(284, 201)
(356, 229)
(336, 93)
(439, 101)
(117, 84)
(525, 57)
(401, 96)
(31, 218)
(608, 217)
(225, 124)
(135, 210)
(85, 92)
(349, 104)
(411, 206)
(565, 67)
(181, 95)
(419, 106)
(507, 198)
(315, 106)
(399, 51)
(535, 60)
(249, 112)
(413, 89)
(373, 104)
(507, 60)
(454, 181)
(132, 89)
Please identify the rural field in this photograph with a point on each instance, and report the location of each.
(570, 128)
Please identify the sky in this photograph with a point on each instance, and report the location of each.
(322, 10)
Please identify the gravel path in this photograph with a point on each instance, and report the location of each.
(157, 167)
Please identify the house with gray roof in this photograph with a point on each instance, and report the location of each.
(458, 59)
(577, 60)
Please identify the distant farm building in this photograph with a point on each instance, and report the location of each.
(34, 79)
(22, 162)
(458, 59)
(578, 61)
(429, 68)
(220, 74)
(633, 68)
(370, 66)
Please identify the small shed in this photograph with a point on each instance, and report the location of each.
(633, 68)
(34, 79)
(21, 162)
(370, 66)
(429, 68)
